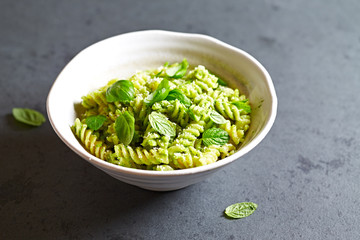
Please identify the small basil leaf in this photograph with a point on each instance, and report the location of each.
(28, 116)
(242, 105)
(162, 125)
(215, 136)
(95, 122)
(177, 94)
(217, 117)
(159, 94)
(177, 70)
(241, 210)
(125, 128)
(221, 82)
(122, 91)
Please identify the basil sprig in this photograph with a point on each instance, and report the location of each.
(215, 136)
(159, 94)
(162, 125)
(122, 91)
(125, 128)
(177, 70)
(28, 116)
(242, 105)
(217, 117)
(241, 210)
(95, 122)
(177, 94)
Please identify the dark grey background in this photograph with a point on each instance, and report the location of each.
(304, 176)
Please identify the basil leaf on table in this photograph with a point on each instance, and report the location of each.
(177, 94)
(217, 117)
(125, 128)
(242, 105)
(215, 136)
(178, 70)
(241, 210)
(122, 91)
(28, 116)
(95, 122)
(162, 125)
(159, 94)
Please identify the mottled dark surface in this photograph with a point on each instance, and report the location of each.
(304, 176)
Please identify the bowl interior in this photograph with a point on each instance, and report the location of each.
(123, 55)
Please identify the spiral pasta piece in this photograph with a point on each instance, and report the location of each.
(140, 155)
(174, 110)
(89, 140)
(228, 110)
(236, 135)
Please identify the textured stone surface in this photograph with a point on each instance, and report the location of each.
(304, 176)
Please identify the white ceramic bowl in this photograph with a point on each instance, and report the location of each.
(123, 55)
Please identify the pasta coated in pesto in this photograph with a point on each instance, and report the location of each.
(166, 112)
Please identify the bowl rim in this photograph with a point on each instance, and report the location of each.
(189, 171)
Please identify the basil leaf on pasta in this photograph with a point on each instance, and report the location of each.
(159, 94)
(125, 128)
(215, 136)
(241, 210)
(221, 82)
(28, 116)
(95, 122)
(162, 125)
(177, 94)
(217, 117)
(122, 91)
(242, 105)
(177, 70)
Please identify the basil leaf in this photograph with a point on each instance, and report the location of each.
(162, 125)
(95, 122)
(242, 105)
(125, 128)
(241, 210)
(159, 73)
(177, 70)
(28, 116)
(215, 136)
(217, 117)
(159, 94)
(221, 82)
(122, 91)
(177, 94)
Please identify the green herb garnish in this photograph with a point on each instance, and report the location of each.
(28, 116)
(162, 125)
(242, 105)
(177, 94)
(122, 91)
(95, 122)
(241, 210)
(217, 117)
(177, 70)
(215, 136)
(125, 128)
(221, 82)
(159, 94)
